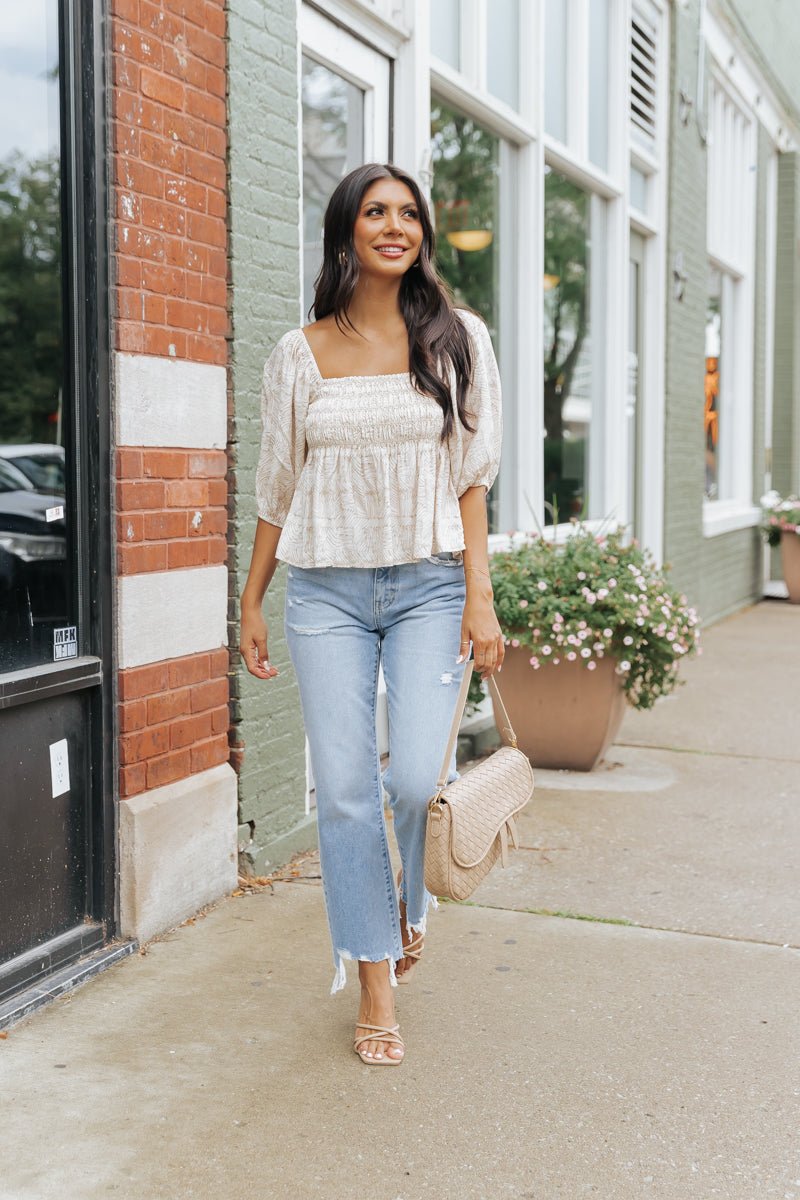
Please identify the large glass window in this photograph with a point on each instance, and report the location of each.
(574, 366)
(35, 592)
(711, 407)
(555, 75)
(333, 144)
(598, 82)
(446, 31)
(466, 201)
(503, 45)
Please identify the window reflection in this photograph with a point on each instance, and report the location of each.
(466, 201)
(333, 144)
(573, 367)
(712, 382)
(33, 557)
(502, 51)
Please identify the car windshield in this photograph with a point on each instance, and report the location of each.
(13, 480)
(45, 472)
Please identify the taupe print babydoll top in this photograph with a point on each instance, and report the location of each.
(353, 468)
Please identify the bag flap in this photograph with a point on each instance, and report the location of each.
(482, 800)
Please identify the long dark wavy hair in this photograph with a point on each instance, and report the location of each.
(438, 342)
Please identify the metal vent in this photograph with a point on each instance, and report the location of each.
(643, 81)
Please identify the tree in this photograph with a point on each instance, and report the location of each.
(31, 331)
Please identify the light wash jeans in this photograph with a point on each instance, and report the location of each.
(340, 622)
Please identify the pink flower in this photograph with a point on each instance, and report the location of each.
(534, 661)
(542, 586)
(515, 641)
(607, 633)
(547, 650)
(591, 666)
(586, 652)
(523, 603)
(572, 656)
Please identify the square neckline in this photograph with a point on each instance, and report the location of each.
(336, 378)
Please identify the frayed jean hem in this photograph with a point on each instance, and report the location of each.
(340, 978)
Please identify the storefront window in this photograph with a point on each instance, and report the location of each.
(598, 82)
(34, 512)
(713, 376)
(555, 68)
(573, 348)
(446, 31)
(502, 64)
(466, 183)
(333, 144)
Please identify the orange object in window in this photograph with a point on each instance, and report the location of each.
(711, 414)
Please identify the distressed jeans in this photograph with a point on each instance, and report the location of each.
(340, 623)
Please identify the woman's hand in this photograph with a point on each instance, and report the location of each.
(480, 626)
(253, 642)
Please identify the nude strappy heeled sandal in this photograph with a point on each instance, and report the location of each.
(380, 1034)
(413, 950)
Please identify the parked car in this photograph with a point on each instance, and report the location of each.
(33, 568)
(40, 462)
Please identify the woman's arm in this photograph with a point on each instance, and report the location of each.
(479, 623)
(253, 629)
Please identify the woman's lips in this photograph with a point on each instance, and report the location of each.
(391, 251)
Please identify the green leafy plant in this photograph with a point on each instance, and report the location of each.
(593, 596)
(779, 516)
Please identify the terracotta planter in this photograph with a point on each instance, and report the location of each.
(790, 561)
(563, 715)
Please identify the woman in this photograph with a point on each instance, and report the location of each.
(381, 438)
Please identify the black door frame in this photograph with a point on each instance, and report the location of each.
(83, 60)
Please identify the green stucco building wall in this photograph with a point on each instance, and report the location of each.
(267, 728)
(721, 573)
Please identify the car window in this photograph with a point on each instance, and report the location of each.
(13, 480)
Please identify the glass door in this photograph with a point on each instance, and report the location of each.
(345, 110)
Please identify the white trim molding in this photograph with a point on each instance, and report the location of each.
(169, 402)
(726, 516)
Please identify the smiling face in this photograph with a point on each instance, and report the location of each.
(387, 235)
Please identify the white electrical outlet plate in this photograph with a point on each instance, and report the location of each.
(59, 767)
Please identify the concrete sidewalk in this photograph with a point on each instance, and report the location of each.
(614, 1016)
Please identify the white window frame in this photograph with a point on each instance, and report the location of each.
(651, 225)
(731, 63)
(731, 225)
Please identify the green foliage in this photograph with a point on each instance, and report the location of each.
(590, 597)
(465, 195)
(779, 516)
(31, 347)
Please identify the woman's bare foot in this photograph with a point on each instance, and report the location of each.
(377, 1008)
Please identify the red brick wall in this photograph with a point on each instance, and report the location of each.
(173, 720)
(171, 509)
(169, 295)
(169, 173)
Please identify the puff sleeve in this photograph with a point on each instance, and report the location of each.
(284, 404)
(475, 457)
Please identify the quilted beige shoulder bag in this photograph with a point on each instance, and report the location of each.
(471, 819)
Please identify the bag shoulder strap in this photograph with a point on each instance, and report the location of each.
(459, 712)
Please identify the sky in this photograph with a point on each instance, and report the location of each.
(28, 99)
